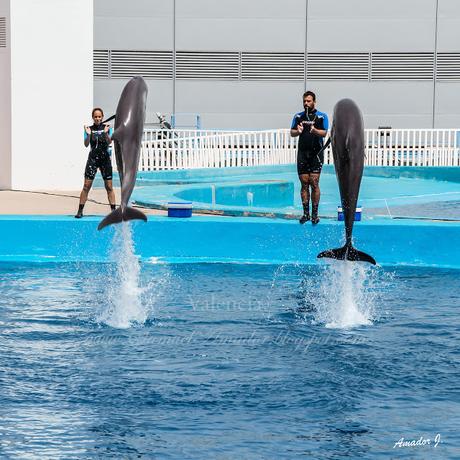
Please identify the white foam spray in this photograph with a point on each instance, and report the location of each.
(123, 306)
(346, 296)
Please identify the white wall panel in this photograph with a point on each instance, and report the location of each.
(134, 8)
(448, 105)
(449, 25)
(240, 106)
(377, 25)
(272, 26)
(5, 104)
(52, 91)
(396, 104)
(240, 9)
(107, 94)
(133, 33)
(250, 35)
(228, 25)
(138, 24)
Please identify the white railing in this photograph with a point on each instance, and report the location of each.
(189, 149)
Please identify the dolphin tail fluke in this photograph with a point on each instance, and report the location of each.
(133, 213)
(115, 217)
(347, 252)
(358, 256)
(337, 254)
(120, 215)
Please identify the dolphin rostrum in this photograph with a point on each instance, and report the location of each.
(347, 136)
(127, 137)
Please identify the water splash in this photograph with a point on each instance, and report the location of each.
(346, 296)
(123, 306)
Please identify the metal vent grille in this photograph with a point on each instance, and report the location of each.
(402, 66)
(338, 66)
(272, 66)
(101, 64)
(236, 65)
(195, 65)
(448, 67)
(148, 64)
(2, 32)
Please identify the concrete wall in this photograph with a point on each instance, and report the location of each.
(51, 92)
(5, 103)
(448, 94)
(138, 25)
(239, 239)
(284, 26)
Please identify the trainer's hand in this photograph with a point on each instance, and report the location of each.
(300, 128)
(87, 130)
(313, 130)
(106, 128)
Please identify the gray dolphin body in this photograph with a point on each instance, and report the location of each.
(347, 136)
(127, 137)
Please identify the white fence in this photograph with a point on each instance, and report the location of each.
(186, 149)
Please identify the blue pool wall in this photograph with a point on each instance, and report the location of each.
(222, 239)
(274, 190)
(277, 193)
(440, 173)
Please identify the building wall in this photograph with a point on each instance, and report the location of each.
(319, 33)
(5, 100)
(51, 91)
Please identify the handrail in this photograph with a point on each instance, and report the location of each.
(189, 149)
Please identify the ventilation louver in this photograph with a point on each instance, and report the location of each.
(148, 64)
(2, 32)
(448, 67)
(101, 64)
(338, 66)
(195, 65)
(402, 66)
(272, 66)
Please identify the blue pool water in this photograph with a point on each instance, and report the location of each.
(392, 192)
(230, 361)
(111, 348)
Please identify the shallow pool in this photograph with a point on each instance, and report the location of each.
(232, 361)
(426, 192)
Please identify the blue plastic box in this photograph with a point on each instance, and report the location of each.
(180, 209)
(341, 215)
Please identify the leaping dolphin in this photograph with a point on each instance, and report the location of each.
(127, 137)
(347, 136)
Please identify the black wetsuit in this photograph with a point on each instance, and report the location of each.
(309, 160)
(99, 155)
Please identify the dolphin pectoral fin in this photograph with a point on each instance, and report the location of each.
(347, 253)
(119, 215)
